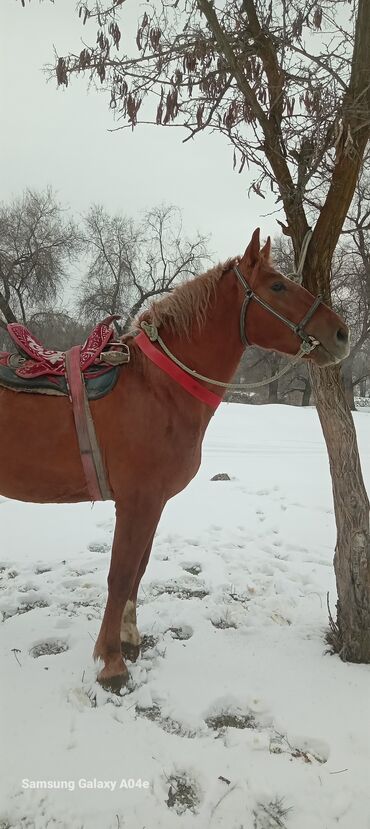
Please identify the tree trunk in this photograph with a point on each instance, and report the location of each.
(306, 396)
(350, 635)
(362, 387)
(273, 392)
(347, 376)
(6, 310)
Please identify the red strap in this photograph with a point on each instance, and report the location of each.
(78, 396)
(185, 380)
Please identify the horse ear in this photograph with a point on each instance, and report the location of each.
(252, 252)
(265, 251)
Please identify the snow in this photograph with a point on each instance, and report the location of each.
(235, 715)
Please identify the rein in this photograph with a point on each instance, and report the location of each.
(151, 332)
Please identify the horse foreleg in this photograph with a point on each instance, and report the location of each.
(134, 530)
(130, 636)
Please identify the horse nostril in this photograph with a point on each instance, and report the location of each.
(342, 335)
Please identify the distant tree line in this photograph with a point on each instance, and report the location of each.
(124, 264)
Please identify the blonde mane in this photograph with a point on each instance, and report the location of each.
(187, 304)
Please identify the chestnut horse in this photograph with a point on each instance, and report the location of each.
(150, 429)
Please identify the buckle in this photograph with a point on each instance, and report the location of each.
(308, 345)
(115, 357)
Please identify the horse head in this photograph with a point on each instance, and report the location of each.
(278, 314)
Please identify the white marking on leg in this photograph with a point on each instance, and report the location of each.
(129, 631)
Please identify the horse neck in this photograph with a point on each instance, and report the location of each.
(216, 349)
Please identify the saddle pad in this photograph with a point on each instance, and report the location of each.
(96, 386)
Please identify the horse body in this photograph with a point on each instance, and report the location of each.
(150, 430)
(38, 432)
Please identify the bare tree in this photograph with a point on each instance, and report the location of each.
(37, 240)
(131, 262)
(256, 365)
(58, 328)
(351, 282)
(297, 107)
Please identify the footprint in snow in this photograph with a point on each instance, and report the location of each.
(184, 794)
(25, 607)
(8, 573)
(229, 714)
(167, 723)
(229, 719)
(99, 547)
(194, 568)
(50, 647)
(223, 623)
(307, 749)
(187, 590)
(182, 632)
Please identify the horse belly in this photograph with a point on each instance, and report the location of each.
(39, 457)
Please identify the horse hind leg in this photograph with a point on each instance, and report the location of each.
(135, 527)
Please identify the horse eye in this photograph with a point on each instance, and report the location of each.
(278, 286)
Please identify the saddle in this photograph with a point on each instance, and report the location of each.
(38, 370)
(83, 373)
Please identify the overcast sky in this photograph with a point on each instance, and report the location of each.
(60, 137)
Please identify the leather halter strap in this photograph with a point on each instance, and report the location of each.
(308, 342)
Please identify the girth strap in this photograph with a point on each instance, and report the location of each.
(89, 448)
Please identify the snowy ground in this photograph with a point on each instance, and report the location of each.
(235, 715)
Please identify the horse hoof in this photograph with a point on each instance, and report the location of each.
(130, 651)
(115, 683)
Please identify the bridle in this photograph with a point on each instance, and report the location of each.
(149, 334)
(308, 342)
